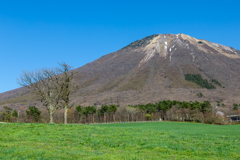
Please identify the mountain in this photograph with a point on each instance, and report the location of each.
(153, 69)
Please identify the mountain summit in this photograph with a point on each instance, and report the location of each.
(155, 68)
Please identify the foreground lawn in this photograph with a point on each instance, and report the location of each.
(157, 140)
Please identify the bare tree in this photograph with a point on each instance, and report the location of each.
(45, 84)
(68, 87)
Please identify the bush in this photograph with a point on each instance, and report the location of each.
(235, 108)
(209, 118)
(15, 114)
(33, 113)
(148, 116)
(6, 114)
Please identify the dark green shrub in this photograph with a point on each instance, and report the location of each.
(235, 108)
(79, 109)
(15, 113)
(6, 114)
(33, 113)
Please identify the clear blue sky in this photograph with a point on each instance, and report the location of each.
(37, 34)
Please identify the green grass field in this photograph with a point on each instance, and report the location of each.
(155, 140)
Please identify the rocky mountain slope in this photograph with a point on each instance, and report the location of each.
(153, 69)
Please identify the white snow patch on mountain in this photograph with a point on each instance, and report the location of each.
(165, 49)
(226, 48)
(222, 46)
(215, 44)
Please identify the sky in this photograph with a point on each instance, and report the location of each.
(39, 34)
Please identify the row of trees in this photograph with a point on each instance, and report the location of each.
(163, 110)
(32, 113)
(164, 106)
(7, 113)
(101, 112)
(52, 86)
(197, 78)
(167, 104)
(105, 112)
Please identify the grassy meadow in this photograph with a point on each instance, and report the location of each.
(153, 140)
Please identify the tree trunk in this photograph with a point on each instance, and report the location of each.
(104, 117)
(51, 115)
(80, 119)
(114, 117)
(93, 118)
(65, 114)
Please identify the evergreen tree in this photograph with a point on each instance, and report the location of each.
(15, 113)
(33, 113)
(113, 109)
(6, 113)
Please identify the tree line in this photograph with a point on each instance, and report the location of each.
(103, 112)
(166, 105)
(32, 113)
(162, 110)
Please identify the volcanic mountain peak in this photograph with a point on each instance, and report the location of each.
(165, 45)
